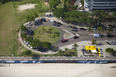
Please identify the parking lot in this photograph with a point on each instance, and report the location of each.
(84, 37)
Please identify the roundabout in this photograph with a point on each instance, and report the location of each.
(41, 32)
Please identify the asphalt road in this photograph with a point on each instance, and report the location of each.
(84, 34)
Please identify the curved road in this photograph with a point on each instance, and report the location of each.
(84, 36)
(39, 52)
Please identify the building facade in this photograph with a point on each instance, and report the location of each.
(90, 5)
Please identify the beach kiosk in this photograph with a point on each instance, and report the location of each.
(93, 50)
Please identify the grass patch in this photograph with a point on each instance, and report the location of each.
(67, 52)
(47, 33)
(8, 30)
(10, 21)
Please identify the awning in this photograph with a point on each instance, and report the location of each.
(90, 47)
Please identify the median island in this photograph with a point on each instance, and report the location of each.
(47, 33)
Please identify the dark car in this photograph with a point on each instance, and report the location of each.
(110, 35)
(70, 26)
(59, 23)
(64, 40)
(75, 30)
(82, 29)
(76, 37)
(43, 20)
(30, 32)
(56, 24)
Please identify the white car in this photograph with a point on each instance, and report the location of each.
(110, 42)
(97, 35)
(27, 43)
(31, 47)
(51, 21)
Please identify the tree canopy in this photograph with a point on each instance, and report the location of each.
(46, 45)
(59, 12)
(5, 1)
(76, 16)
(53, 4)
(110, 50)
(100, 14)
(114, 14)
(23, 28)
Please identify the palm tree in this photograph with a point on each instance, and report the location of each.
(43, 29)
(50, 30)
(66, 49)
(109, 30)
(60, 52)
(39, 32)
(75, 45)
(90, 29)
(100, 29)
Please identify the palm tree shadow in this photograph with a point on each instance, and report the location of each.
(113, 67)
(4, 65)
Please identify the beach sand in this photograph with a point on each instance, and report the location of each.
(58, 70)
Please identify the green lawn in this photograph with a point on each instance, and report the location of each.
(10, 21)
(8, 30)
(47, 33)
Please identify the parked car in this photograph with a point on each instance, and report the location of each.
(51, 21)
(64, 40)
(57, 23)
(70, 26)
(30, 32)
(27, 43)
(31, 47)
(43, 20)
(75, 28)
(82, 29)
(110, 42)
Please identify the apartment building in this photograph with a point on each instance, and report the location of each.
(90, 5)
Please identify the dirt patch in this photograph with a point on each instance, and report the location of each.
(26, 6)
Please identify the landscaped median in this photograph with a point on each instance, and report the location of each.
(47, 33)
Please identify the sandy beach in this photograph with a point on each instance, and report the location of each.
(58, 70)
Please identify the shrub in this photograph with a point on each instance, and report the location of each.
(27, 53)
(110, 50)
(23, 28)
(23, 35)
